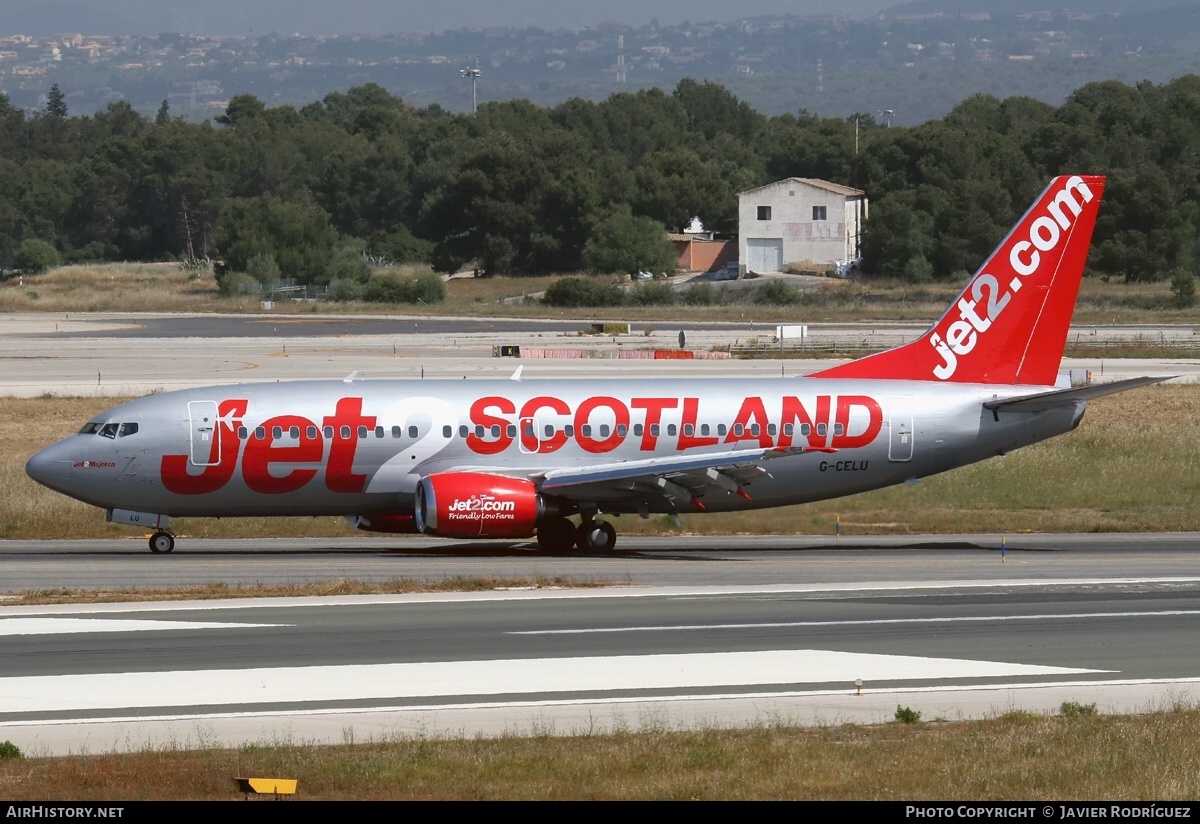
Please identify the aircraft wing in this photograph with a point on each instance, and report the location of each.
(1041, 401)
(680, 480)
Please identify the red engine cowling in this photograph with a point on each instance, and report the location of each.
(478, 505)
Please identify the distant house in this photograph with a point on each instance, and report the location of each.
(799, 220)
(700, 252)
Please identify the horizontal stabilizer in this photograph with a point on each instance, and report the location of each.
(1075, 394)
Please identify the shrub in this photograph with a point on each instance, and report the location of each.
(9, 750)
(776, 293)
(1073, 709)
(1183, 288)
(907, 715)
(390, 288)
(230, 284)
(384, 288)
(652, 294)
(348, 263)
(344, 291)
(427, 287)
(401, 246)
(701, 294)
(35, 255)
(583, 291)
(918, 270)
(263, 269)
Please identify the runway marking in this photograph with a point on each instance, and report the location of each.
(72, 626)
(103, 691)
(966, 619)
(615, 701)
(690, 591)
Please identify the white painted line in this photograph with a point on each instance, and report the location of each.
(617, 700)
(573, 594)
(865, 622)
(520, 676)
(72, 626)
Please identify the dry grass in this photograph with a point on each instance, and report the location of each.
(127, 287)
(166, 287)
(1017, 757)
(221, 591)
(1130, 467)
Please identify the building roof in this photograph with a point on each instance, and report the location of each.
(836, 188)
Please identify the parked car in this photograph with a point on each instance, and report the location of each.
(846, 268)
(727, 272)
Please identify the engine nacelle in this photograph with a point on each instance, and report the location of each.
(478, 505)
(396, 524)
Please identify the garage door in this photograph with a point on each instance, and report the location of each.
(764, 254)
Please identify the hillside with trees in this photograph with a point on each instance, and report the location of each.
(317, 192)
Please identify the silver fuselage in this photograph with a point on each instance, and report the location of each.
(339, 448)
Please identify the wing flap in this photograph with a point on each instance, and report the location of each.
(559, 479)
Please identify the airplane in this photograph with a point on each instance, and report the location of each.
(515, 459)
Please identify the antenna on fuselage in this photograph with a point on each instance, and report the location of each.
(516, 376)
(350, 378)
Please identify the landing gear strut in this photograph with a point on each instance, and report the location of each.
(161, 542)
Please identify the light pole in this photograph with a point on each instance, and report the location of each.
(889, 113)
(474, 74)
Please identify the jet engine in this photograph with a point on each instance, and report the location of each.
(479, 505)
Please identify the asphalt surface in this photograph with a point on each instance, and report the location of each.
(123, 355)
(702, 631)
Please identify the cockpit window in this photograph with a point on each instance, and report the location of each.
(109, 430)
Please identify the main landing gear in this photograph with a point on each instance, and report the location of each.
(559, 536)
(161, 542)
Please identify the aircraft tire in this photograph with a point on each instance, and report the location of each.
(596, 536)
(162, 542)
(556, 536)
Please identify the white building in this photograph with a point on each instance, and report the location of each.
(799, 220)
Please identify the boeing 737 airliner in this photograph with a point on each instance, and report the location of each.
(513, 459)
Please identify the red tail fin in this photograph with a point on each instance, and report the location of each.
(1009, 325)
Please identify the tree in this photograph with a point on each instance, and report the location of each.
(715, 110)
(35, 255)
(1183, 288)
(164, 114)
(624, 243)
(56, 103)
(300, 240)
(241, 109)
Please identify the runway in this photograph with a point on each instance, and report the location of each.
(779, 634)
(123, 355)
(693, 630)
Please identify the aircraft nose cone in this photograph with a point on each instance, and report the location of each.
(50, 467)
